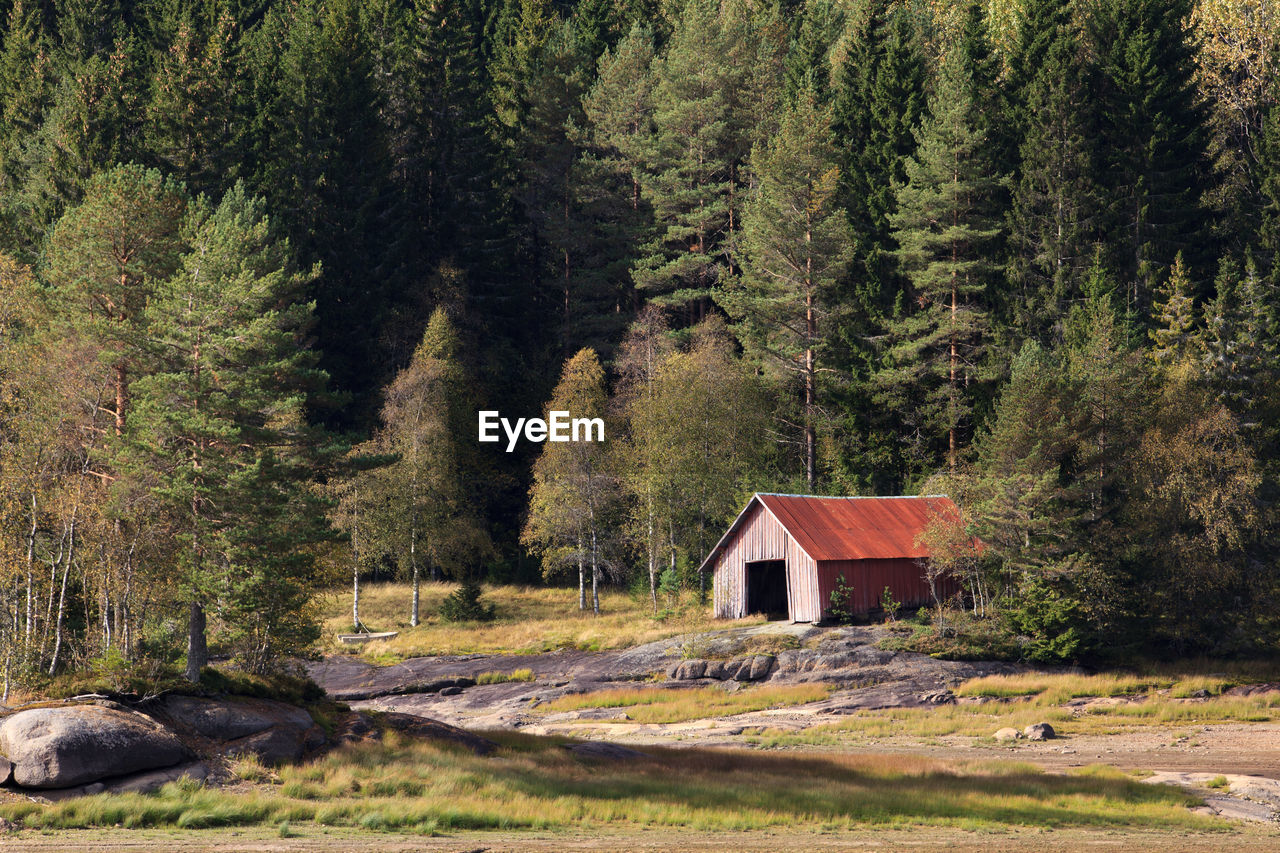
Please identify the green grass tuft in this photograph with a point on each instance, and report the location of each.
(504, 677)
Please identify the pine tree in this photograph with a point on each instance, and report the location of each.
(192, 123)
(619, 107)
(809, 55)
(518, 57)
(1108, 400)
(690, 173)
(617, 124)
(1020, 500)
(795, 246)
(690, 163)
(1055, 201)
(106, 258)
(318, 158)
(1152, 131)
(87, 27)
(879, 101)
(92, 122)
(1173, 318)
(561, 205)
(1240, 347)
(26, 89)
(448, 172)
(220, 424)
(600, 25)
(948, 219)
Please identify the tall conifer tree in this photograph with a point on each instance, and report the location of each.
(220, 426)
(947, 222)
(1055, 199)
(795, 247)
(1153, 135)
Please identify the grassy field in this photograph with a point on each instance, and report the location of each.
(530, 620)
(1018, 700)
(1183, 681)
(534, 784)
(657, 705)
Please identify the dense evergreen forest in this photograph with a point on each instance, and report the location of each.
(264, 261)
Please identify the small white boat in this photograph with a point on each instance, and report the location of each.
(356, 639)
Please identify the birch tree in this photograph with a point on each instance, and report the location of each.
(575, 491)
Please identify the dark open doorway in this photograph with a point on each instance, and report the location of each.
(767, 588)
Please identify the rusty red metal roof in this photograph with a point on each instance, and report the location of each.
(857, 528)
(850, 528)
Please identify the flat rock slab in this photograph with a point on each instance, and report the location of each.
(1252, 798)
(605, 751)
(67, 746)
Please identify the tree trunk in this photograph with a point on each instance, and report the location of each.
(653, 561)
(126, 606)
(413, 617)
(355, 596)
(810, 434)
(355, 560)
(955, 388)
(197, 646)
(671, 539)
(595, 574)
(582, 577)
(31, 581)
(122, 384)
(810, 380)
(57, 632)
(413, 557)
(62, 596)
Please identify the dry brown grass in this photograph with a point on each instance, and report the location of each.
(530, 620)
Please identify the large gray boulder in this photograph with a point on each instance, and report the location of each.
(233, 718)
(238, 725)
(1039, 731)
(65, 746)
(761, 666)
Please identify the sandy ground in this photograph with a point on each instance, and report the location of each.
(1236, 838)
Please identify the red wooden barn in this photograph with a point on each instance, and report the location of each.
(783, 553)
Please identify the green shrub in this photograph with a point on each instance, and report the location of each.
(464, 604)
(842, 601)
(890, 604)
(1048, 613)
